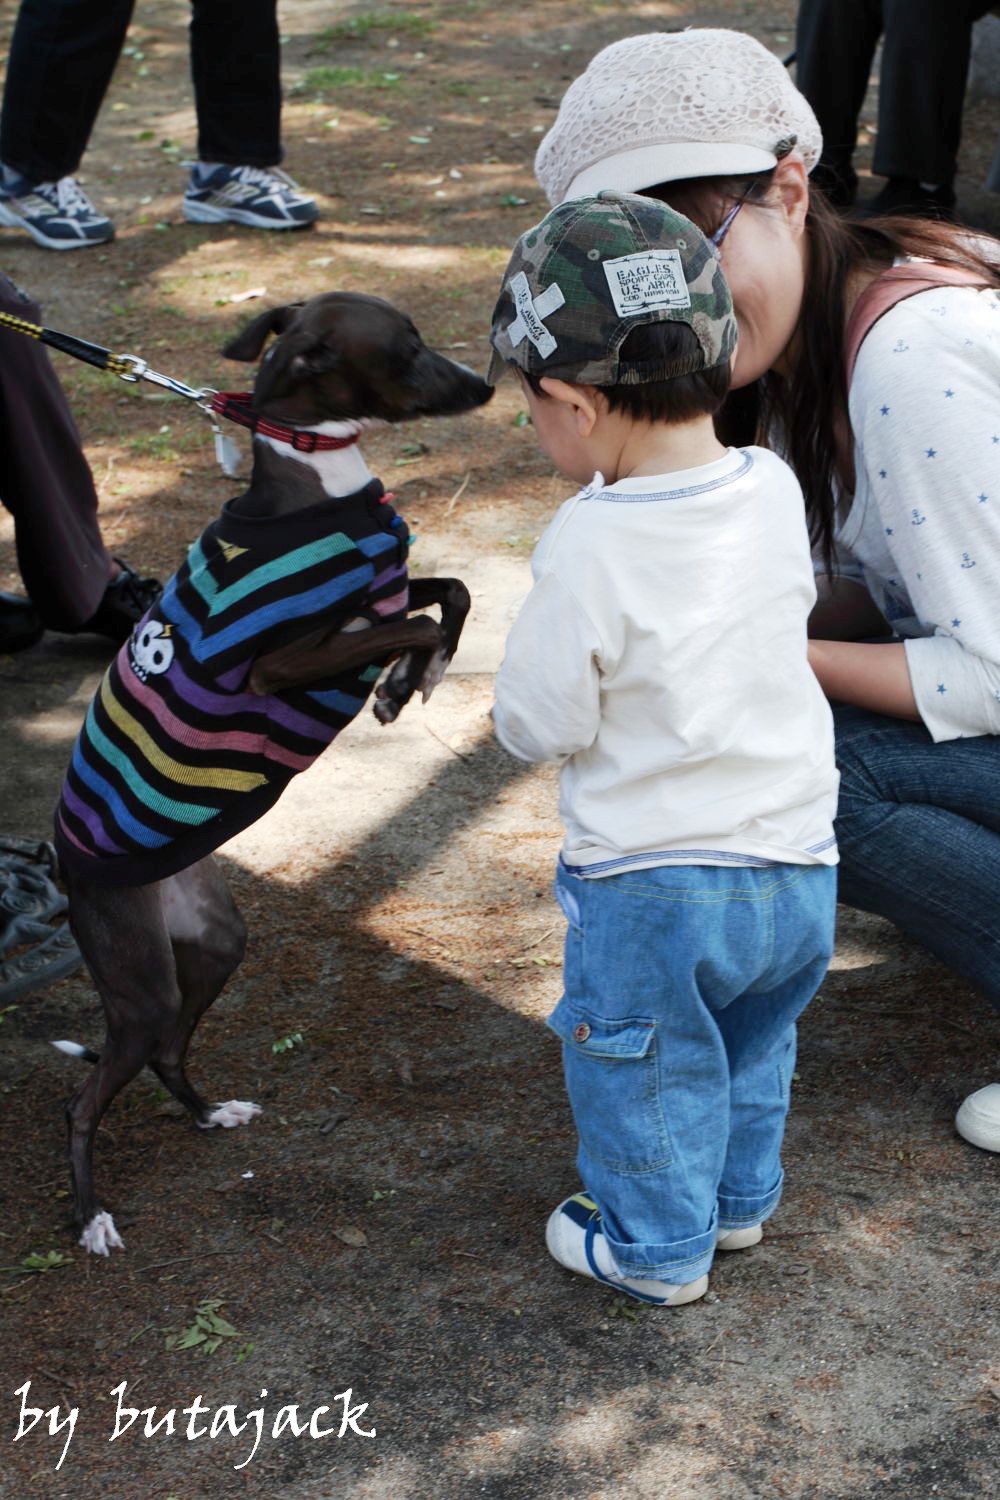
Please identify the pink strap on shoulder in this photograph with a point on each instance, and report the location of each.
(895, 285)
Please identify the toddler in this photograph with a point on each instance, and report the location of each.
(660, 659)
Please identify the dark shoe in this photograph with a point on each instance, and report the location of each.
(126, 599)
(20, 624)
(264, 197)
(902, 195)
(58, 215)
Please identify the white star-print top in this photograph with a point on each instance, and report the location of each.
(923, 531)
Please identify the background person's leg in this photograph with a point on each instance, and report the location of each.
(62, 56)
(236, 70)
(918, 826)
(236, 67)
(925, 62)
(835, 43)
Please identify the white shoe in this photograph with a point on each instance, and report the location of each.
(978, 1120)
(739, 1239)
(574, 1238)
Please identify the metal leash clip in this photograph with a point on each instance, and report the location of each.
(130, 368)
(138, 369)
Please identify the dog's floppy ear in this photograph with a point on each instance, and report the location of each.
(248, 344)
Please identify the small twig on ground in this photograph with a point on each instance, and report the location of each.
(720, 1335)
(426, 936)
(956, 1026)
(462, 754)
(136, 1336)
(795, 1234)
(61, 1385)
(875, 1010)
(157, 1265)
(538, 940)
(457, 495)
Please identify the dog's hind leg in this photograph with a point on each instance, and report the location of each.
(208, 937)
(123, 938)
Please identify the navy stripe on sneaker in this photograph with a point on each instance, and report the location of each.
(588, 1247)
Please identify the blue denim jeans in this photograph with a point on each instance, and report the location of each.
(918, 826)
(682, 988)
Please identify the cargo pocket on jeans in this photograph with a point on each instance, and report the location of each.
(612, 1079)
(568, 900)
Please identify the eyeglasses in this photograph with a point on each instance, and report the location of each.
(781, 150)
(723, 229)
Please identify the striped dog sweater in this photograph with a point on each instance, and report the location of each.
(176, 754)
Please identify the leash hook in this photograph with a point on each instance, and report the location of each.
(136, 371)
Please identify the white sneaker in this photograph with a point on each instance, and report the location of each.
(978, 1120)
(739, 1239)
(574, 1238)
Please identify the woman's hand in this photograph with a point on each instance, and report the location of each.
(869, 676)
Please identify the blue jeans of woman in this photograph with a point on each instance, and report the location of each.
(918, 827)
(682, 987)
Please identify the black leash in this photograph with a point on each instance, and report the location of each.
(126, 366)
(131, 368)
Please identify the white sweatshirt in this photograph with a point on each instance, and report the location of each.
(923, 532)
(661, 657)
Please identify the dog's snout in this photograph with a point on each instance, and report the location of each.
(445, 386)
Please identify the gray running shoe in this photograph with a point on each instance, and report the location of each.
(58, 215)
(263, 197)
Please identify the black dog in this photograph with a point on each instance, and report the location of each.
(263, 646)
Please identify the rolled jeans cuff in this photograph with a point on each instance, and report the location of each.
(739, 1213)
(678, 1263)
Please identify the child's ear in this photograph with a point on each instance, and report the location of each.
(581, 399)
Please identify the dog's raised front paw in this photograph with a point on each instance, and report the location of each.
(435, 670)
(385, 709)
(234, 1112)
(100, 1236)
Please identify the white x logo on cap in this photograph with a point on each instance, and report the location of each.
(531, 311)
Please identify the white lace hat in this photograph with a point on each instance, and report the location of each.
(668, 105)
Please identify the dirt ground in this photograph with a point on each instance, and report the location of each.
(379, 1227)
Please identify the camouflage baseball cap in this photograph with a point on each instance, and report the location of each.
(594, 269)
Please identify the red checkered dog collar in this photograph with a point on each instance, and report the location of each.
(236, 407)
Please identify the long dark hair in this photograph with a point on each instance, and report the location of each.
(809, 408)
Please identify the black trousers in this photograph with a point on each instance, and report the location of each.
(64, 52)
(925, 61)
(45, 481)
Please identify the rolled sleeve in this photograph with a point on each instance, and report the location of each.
(957, 694)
